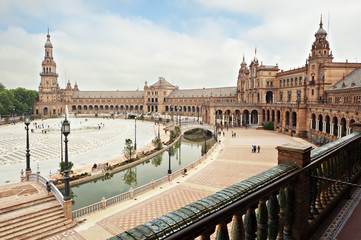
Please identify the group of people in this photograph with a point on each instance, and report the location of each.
(255, 148)
(233, 134)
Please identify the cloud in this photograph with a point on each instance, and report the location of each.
(105, 50)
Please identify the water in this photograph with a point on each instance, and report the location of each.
(183, 153)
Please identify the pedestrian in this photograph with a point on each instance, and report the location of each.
(259, 148)
(48, 187)
(223, 134)
(252, 148)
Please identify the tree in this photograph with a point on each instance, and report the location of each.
(157, 143)
(268, 126)
(141, 117)
(62, 167)
(128, 148)
(177, 130)
(2, 87)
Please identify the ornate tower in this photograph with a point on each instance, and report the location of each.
(241, 81)
(49, 91)
(320, 48)
(320, 54)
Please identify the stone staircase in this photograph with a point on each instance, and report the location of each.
(33, 218)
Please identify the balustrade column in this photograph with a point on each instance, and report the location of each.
(297, 224)
(317, 124)
(237, 227)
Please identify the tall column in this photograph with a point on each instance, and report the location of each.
(317, 125)
(241, 119)
(223, 119)
(331, 128)
(311, 123)
(339, 132)
(250, 118)
(232, 119)
(258, 119)
(273, 98)
(324, 127)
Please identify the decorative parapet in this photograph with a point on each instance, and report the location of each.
(174, 221)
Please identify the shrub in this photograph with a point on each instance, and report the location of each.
(268, 126)
(96, 115)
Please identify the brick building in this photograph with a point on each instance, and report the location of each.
(319, 100)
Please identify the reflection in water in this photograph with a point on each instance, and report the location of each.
(183, 153)
(157, 160)
(130, 176)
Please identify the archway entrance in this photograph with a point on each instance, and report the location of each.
(269, 97)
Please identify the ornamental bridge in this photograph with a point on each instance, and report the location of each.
(186, 126)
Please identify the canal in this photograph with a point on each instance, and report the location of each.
(183, 153)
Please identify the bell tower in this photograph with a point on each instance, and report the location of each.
(241, 81)
(49, 91)
(320, 51)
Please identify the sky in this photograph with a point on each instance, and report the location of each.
(119, 44)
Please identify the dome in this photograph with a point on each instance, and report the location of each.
(48, 43)
(321, 31)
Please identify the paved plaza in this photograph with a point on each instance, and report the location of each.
(230, 163)
(88, 144)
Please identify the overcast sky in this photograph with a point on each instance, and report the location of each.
(119, 44)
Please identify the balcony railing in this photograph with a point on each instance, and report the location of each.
(284, 202)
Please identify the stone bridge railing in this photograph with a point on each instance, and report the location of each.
(187, 127)
(288, 201)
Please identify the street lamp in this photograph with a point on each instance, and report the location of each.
(135, 133)
(28, 169)
(205, 143)
(14, 115)
(169, 153)
(65, 129)
(158, 129)
(215, 123)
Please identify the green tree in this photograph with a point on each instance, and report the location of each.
(157, 143)
(141, 117)
(2, 87)
(128, 149)
(62, 167)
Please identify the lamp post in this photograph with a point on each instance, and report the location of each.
(65, 129)
(135, 133)
(158, 129)
(14, 115)
(215, 123)
(205, 143)
(169, 153)
(28, 169)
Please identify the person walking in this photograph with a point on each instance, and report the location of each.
(48, 187)
(259, 148)
(252, 148)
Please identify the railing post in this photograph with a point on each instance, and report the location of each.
(103, 203)
(153, 184)
(131, 193)
(300, 207)
(67, 205)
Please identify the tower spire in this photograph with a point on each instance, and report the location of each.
(321, 24)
